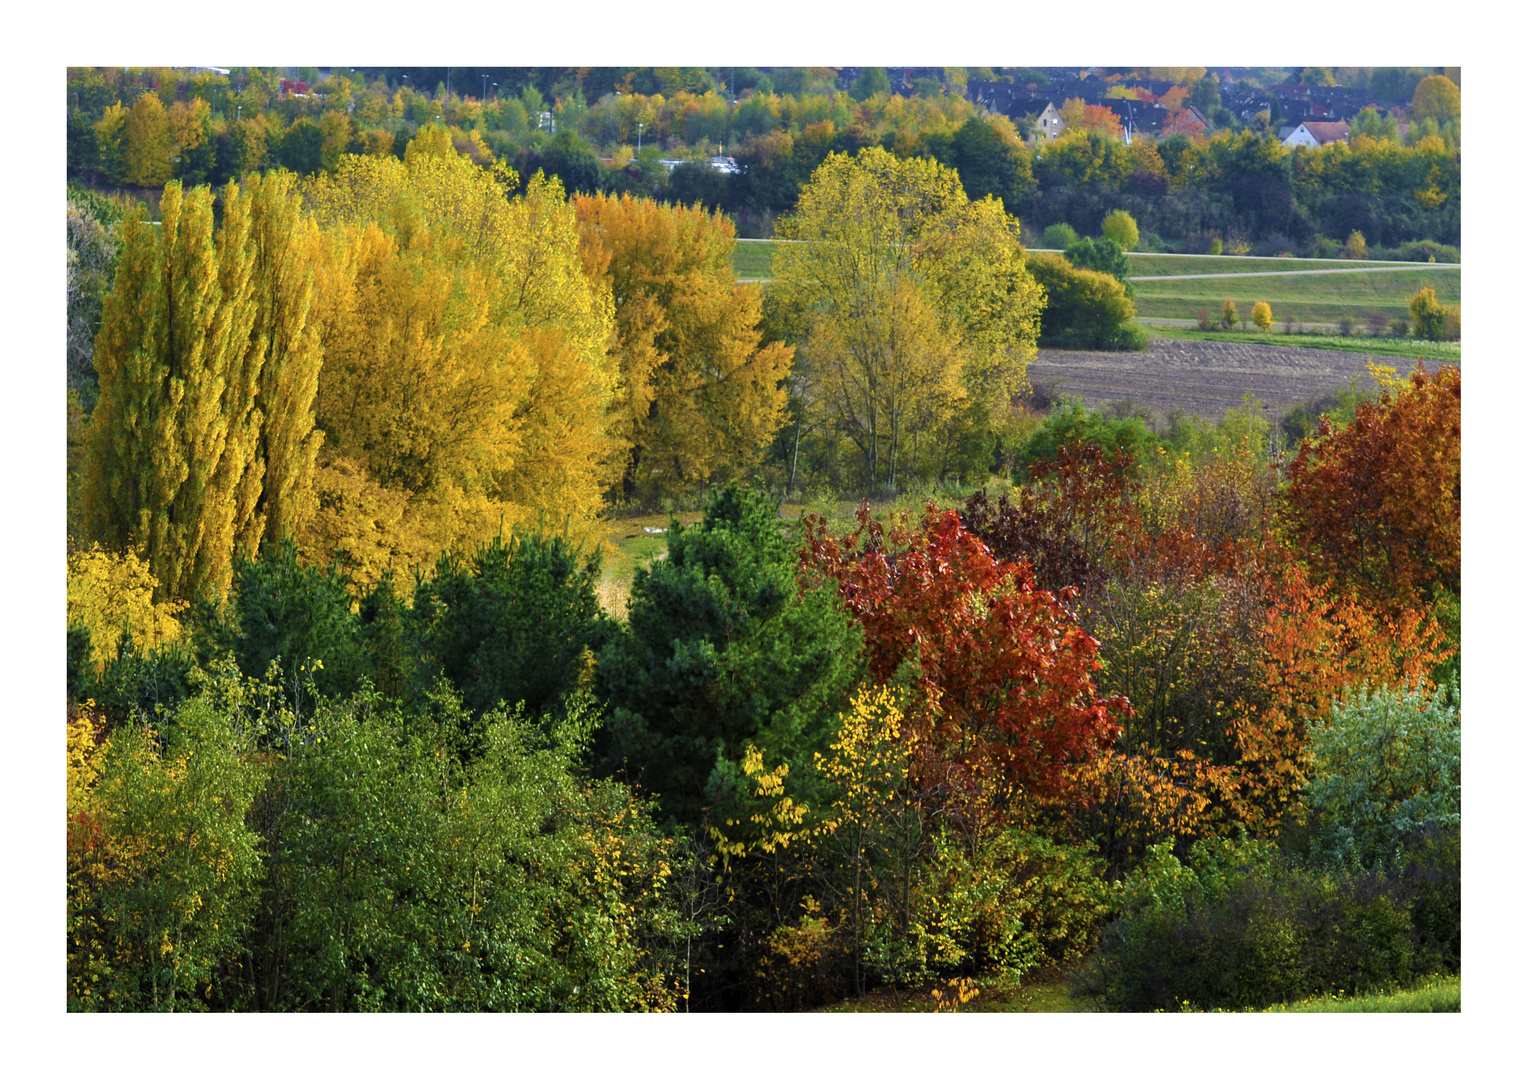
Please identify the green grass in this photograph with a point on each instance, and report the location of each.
(1318, 298)
(1440, 994)
(1322, 298)
(750, 259)
(1402, 348)
(1147, 264)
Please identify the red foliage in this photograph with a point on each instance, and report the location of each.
(1376, 506)
(1066, 522)
(1001, 669)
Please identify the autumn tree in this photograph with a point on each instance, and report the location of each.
(467, 379)
(1001, 671)
(147, 145)
(907, 301)
(1436, 98)
(285, 346)
(172, 437)
(1376, 505)
(1262, 316)
(1120, 227)
(701, 394)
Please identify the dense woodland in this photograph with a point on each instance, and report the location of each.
(611, 130)
(354, 722)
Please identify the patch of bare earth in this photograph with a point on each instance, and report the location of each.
(1203, 378)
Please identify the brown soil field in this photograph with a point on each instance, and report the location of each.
(1203, 378)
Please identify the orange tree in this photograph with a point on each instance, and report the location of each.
(1000, 671)
(1376, 506)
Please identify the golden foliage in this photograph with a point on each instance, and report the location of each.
(112, 596)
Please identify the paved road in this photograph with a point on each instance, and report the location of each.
(1203, 378)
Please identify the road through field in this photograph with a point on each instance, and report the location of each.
(1203, 378)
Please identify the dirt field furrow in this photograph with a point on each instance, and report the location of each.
(1205, 378)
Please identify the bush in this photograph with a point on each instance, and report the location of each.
(1105, 256)
(1059, 236)
(1205, 322)
(1385, 766)
(1084, 309)
(1241, 926)
(1228, 314)
(1262, 316)
(1428, 317)
(1425, 251)
(1120, 227)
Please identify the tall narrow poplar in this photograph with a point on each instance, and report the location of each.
(163, 472)
(285, 247)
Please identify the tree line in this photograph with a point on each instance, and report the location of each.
(1236, 184)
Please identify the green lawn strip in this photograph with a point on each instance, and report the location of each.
(751, 258)
(1309, 298)
(1044, 992)
(1145, 264)
(1435, 995)
(1431, 351)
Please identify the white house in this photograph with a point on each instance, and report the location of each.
(1318, 133)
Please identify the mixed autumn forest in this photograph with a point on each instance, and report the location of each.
(479, 598)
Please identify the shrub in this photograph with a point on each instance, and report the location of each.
(1228, 314)
(1059, 236)
(1426, 251)
(1105, 256)
(1204, 320)
(1356, 247)
(1241, 926)
(1345, 325)
(1385, 766)
(1427, 315)
(1120, 227)
(1084, 308)
(1378, 325)
(1216, 247)
(1262, 316)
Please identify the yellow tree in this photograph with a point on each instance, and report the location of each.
(467, 360)
(111, 143)
(286, 248)
(148, 149)
(112, 595)
(903, 297)
(171, 436)
(701, 396)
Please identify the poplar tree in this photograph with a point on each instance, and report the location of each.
(286, 248)
(169, 445)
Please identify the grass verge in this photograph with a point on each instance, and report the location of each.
(1438, 994)
(1405, 348)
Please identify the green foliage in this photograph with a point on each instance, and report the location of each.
(1069, 423)
(1107, 256)
(1241, 927)
(401, 879)
(512, 623)
(869, 82)
(723, 649)
(1121, 228)
(163, 864)
(1385, 766)
(1084, 309)
(298, 615)
(1059, 236)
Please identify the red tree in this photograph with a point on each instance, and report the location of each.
(1000, 669)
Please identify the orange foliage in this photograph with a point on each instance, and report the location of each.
(1376, 506)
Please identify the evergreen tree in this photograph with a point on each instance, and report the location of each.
(724, 649)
